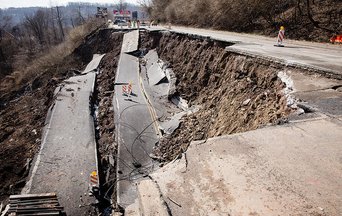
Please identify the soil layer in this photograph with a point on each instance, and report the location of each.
(236, 93)
(105, 130)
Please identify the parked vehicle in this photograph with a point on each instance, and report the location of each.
(120, 22)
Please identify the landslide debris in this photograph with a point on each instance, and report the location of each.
(236, 93)
(105, 127)
(23, 109)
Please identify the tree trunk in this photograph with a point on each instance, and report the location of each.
(59, 20)
(314, 22)
(53, 26)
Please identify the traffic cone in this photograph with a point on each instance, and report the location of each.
(129, 90)
(124, 89)
(94, 184)
(93, 179)
(281, 37)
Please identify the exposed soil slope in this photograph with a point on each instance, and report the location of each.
(236, 93)
(105, 129)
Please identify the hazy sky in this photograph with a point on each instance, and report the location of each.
(48, 3)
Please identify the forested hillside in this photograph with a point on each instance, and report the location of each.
(28, 33)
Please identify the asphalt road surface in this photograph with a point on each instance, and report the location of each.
(136, 131)
(67, 156)
(320, 56)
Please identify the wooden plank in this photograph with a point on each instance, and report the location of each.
(40, 208)
(33, 196)
(28, 211)
(41, 214)
(38, 202)
(35, 204)
(43, 205)
(23, 202)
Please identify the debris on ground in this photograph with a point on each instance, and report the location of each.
(105, 127)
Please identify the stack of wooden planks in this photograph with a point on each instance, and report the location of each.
(35, 204)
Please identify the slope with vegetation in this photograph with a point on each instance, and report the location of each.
(304, 19)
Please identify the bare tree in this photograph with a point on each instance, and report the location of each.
(54, 30)
(122, 5)
(38, 24)
(59, 20)
(315, 23)
(5, 26)
(80, 17)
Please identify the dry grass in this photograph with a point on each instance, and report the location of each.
(54, 56)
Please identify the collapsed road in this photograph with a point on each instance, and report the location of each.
(192, 89)
(68, 152)
(136, 130)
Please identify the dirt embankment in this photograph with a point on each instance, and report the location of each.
(105, 130)
(23, 109)
(236, 93)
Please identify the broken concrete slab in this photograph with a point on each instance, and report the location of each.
(180, 102)
(151, 201)
(161, 78)
(155, 74)
(300, 82)
(132, 42)
(68, 151)
(94, 64)
(311, 93)
(171, 77)
(282, 170)
(154, 70)
(151, 58)
(325, 101)
(170, 125)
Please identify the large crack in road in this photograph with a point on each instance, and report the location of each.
(136, 133)
(216, 91)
